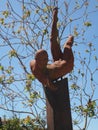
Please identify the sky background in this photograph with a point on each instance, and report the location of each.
(89, 35)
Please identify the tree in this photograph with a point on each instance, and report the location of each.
(25, 27)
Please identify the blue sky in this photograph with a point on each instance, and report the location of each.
(90, 33)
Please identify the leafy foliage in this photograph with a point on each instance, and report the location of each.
(25, 27)
(20, 124)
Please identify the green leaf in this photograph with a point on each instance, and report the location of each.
(74, 86)
(75, 122)
(10, 80)
(34, 95)
(2, 20)
(37, 11)
(45, 31)
(28, 85)
(9, 70)
(1, 79)
(87, 51)
(6, 13)
(88, 24)
(76, 33)
(1, 67)
(91, 108)
(45, 9)
(90, 44)
(27, 13)
(30, 76)
(13, 53)
(58, 24)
